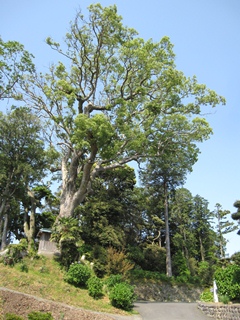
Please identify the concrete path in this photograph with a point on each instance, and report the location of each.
(169, 311)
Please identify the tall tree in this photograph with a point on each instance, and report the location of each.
(224, 226)
(236, 215)
(106, 100)
(167, 172)
(15, 63)
(106, 215)
(23, 160)
(181, 215)
(202, 218)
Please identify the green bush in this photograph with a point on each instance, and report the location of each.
(23, 267)
(35, 315)
(122, 296)
(78, 274)
(112, 280)
(207, 296)
(15, 252)
(228, 281)
(95, 287)
(224, 299)
(12, 316)
(154, 259)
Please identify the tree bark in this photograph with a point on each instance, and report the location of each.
(167, 235)
(5, 231)
(29, 227)
(201, 249)
(72, 196)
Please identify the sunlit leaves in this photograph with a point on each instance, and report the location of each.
(15, 63)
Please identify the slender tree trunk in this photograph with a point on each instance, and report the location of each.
(222, 254)
(201, 249)
(29, 227)
(167, 236)
(159, 240)
(186, 253)
(1, 230)
(5, 231)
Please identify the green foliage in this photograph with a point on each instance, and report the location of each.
(69, 254)
(206, 296)
(112, 280)
(95, 287)
(78, 274)
(15, 252)
(144, 275)
(228, 281)
(23, 266)
(205, 273)
(224, 299)
(135, 254)
(66, 233)
(236, 215)
(15, 63)
(12, 316)
(180, 267)
(236, 258)
(99, 255)
(66, 230)
(122, 296)
(154, 258)
(35, 315)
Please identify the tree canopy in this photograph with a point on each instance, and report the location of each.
(114, 98)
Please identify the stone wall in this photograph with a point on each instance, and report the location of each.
(220, 311)
(167, 293)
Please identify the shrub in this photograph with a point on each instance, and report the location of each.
(113, 280)
(35, 315)
(99, 256)
(224, 299)
(95, 287)
(228, 281)
(154, 258)
(12, 316)
(78, 274)
(207, 296)
(15, 252)
(122, 296)
(117, 262)
(69, 253)
(23, 267)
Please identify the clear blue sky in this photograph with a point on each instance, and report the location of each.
(206, 38)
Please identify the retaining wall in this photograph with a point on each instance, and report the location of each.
(220, 311)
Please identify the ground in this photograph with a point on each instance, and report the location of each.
(22, 304)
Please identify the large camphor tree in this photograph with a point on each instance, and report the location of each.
(114, 98)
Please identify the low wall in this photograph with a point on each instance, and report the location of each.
(220, 311)
(167, 292)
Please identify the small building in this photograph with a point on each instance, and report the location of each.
(46, 246)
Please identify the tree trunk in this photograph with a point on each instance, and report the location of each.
(5, 231)
(201, 249)
(71, 197)
(29, 227)
(167, 235)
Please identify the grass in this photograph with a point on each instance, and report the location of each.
(44, 278)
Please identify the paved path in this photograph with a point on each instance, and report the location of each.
(169, 311)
